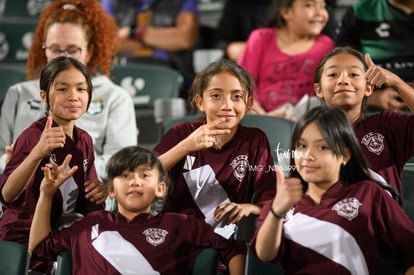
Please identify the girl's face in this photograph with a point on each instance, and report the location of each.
(68, 95)
(343, 82)
(306, 17)
(316, 163)
(224, 97)
(136, 190)
(67, 39)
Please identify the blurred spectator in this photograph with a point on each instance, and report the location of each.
(157, 32)
(385, 30)
(241, 17)
(282, 57)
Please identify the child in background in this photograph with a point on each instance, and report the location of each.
(131, 240)
(331, 218)
(65, 89)
(219, 170)
(344, 79)
(282, 57)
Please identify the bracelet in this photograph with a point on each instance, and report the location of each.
(277, 216)
(140, 32)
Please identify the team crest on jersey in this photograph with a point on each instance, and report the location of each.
(240, 165)
(347, 208)
(52, 158)
(85, 165)
(374, 142)
(95, 107)
(155, 236)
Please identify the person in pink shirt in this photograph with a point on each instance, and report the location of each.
(282, 56)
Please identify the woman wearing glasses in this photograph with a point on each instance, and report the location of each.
(82, 30)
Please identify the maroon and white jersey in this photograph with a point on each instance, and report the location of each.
(106, 243)
(17, 216)
(345, 233)
(241, 172)
(387, 140)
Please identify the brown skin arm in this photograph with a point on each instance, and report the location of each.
(237, 264)
(53, 178)
(181, 37)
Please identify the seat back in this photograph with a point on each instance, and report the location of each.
(146, 82)
(28, 8)
(256, 267)
(16, 35)
(408, 191)
(14, 258)
(64, 263)
(206, 262)
(9, 76)
(278, 131)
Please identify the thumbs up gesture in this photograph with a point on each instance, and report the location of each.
(51, 138)
(288, 192)
(378, 76)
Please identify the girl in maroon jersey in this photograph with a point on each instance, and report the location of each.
(130, 240)
(66, 90)
(331, 217)
(219, 170)
(345, 79)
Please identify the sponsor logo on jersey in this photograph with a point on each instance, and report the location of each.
(347, 208)
(374, 142)
(155, 236)
(240, 165)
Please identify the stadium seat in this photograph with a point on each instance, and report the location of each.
(16, 36)
(9, 76)
(27, 9)
(408, 191)
(149, 84)
(14, 258)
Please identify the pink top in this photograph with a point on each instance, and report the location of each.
(281, 78)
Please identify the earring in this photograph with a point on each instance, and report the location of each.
(344, 163)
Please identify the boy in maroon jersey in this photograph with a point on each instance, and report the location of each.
(130, 240)
(331, 217)
(344, 79)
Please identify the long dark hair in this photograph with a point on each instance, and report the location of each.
(56, 66)
(274, 16)
(339, 134)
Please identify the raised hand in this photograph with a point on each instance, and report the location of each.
(207, 135)
(51, 138)
(288, 192)
(233, 212)
(96, 191)
(388, 97)
(54, 176)
(378, 76)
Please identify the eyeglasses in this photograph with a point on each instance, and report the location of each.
(72, 51)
